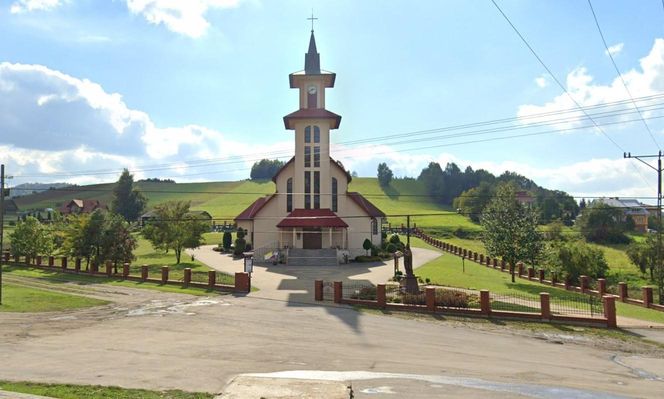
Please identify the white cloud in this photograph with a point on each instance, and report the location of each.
(22, 6)
(615, 49)
(186, 17)
(55, 123)
(542, 81)
(644, 81)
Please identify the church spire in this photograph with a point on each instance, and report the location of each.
(312, 58)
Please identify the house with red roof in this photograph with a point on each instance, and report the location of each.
(312, 208)
(76, 206)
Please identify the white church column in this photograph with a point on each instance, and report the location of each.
(331, 229)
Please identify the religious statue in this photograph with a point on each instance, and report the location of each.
(408, 261)
(409, 282)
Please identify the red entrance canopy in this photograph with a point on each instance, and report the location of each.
(312, 218)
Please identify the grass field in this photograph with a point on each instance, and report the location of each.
(67, 391)
(448, 270)
(17, 298)
(54, 276)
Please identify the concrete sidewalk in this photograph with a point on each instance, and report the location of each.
(296, 283)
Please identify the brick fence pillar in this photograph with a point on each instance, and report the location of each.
(622, 291)
(144, 272)
(485, 302)
(610, 310)
(109, 268)
(502, 264)
(495, 263)
(38, 260)
(430, 293)
(318, 290)
(164, 274)
(481, 259)
(519, 268)
(554, 278)
(601, 286)
(242, 282)
(545, 305)
(17, 258)
(647, 296)
(381, 296)
(531, 273)
(338, 291)
(27, 260)
(93, 267)
(186, 279)
(475, 256)
(125, 270)
(5, 256)
(583, 282)
(77, 265)
(63, 262)
(540, 276)
(212, 278)
(51, 261)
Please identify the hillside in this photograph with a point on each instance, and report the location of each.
(224, 200)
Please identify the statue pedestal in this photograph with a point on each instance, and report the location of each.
(411, 285)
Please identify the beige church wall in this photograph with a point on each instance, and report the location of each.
(265, 224)
(282, 181)
(359, 228)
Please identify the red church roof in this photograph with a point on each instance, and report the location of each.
(366, 205)
(312, 113)
(312, 218)
(252, 210)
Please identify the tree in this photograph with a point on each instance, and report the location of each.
(227, 241)
(265, 169)
(510, 229)
(175, 228)
(432, 178)
(473, 201)
(367, 245)
(575, 259)
(642, 256)
(31, 238)
(240, 242)
(118, 244)
(603, 224)
(127, 201)
(385, 174)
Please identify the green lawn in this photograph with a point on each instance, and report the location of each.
(448, 270)
(68, 391)
(147, 255)
(16, 298)
(55, 276)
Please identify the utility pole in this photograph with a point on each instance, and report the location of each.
(408, 231)
(2, 222)
(660, 267)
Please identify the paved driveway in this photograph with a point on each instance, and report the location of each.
(296, 283)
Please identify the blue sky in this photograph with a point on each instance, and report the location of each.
(91, 85)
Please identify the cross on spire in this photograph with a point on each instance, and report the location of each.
(312, 19)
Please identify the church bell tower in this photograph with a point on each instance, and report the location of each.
(312, 124)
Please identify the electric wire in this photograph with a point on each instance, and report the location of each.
(622, 79)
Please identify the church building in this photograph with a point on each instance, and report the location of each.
(312, 207)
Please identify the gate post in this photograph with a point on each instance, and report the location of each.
(337, 291)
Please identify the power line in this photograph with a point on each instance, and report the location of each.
(385, 139)
(569, 95)
(613, 61)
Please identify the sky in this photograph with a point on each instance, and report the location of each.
(196, 90)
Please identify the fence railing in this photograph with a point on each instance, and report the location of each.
(597, 288)
(584, 310)
(265, 253)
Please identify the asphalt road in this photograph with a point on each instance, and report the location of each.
(154, 340)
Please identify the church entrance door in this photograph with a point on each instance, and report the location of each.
(313, 239)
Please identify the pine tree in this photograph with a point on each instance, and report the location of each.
(127, 201)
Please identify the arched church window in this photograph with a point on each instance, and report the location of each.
(289, 195)
(335, 203)
(374, 226)
(307, 134)
(316, 134)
